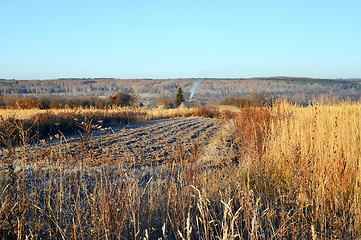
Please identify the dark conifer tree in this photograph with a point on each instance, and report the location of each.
(179, 98)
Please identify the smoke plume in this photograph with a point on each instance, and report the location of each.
(194, 89)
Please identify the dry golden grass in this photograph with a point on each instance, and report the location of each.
(20, 113)
(154, 113)
(29, 113)
(157, 113)
(314, 153)
(301, 163)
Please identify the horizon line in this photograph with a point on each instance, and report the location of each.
(147, 78)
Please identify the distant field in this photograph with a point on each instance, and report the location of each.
(151, 113)
(29, 113)
(280, 172)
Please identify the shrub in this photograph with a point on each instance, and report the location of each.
(231, 101)
(27, 103)
(207, 111)
(121, 99)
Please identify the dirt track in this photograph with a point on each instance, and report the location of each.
(142, 143)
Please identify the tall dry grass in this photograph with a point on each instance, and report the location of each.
(313, 155)
(301, 167)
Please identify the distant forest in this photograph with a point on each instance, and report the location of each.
(300, 90)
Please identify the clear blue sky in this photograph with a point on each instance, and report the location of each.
(179, 38)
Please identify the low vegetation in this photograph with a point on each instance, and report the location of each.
(271, 172)
(119, 99)
(42, 124)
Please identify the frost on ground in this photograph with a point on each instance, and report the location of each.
(140, 144)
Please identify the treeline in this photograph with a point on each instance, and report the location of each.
(340, 83)
(264, 99)
(255, 100)
(210, 89)
(14, 101)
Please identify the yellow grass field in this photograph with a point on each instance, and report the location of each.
(154, 113)
(28, 113)
(315, 154)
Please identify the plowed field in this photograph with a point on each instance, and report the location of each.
(155, 141)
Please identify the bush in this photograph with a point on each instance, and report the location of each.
(254, 100)
(231, 101)
(27, 103)
(121, 99)
(207, 111)
(166, 102)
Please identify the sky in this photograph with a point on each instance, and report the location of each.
(179, 39)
